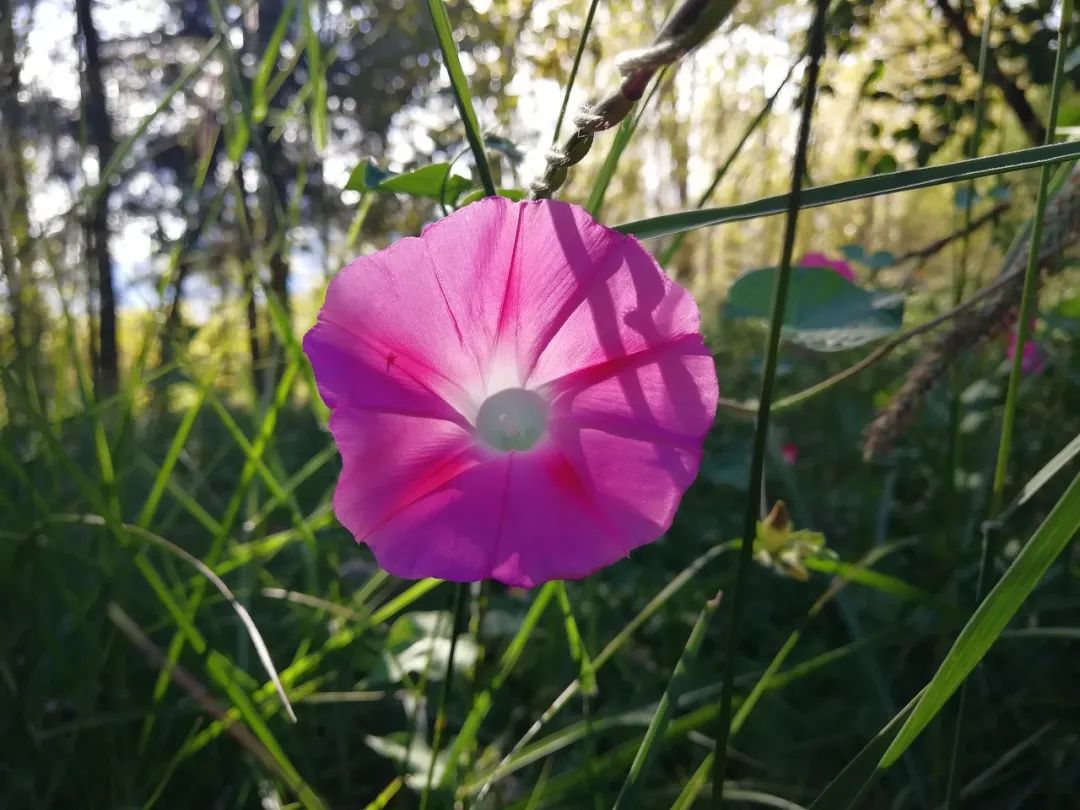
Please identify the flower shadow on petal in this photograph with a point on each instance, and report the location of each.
(652, 301)
(647, 330)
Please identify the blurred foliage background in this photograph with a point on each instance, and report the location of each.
(178, 180)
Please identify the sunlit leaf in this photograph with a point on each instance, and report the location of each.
(434, 181)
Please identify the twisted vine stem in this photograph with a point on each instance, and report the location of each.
(691, 24)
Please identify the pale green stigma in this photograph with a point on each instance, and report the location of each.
(513, 419)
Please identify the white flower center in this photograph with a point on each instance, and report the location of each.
(512, 419)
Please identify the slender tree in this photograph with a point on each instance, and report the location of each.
(14, 220)
(1011, 91)
(274, 196)
(100, 137)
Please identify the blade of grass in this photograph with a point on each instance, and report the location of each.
(771, 677)
(273, 762)
(483, 701)
(260, 102)
(458, 612)
(252, 464)
(669, 252)
(981, 781)
(993, 614)
(586, 28)
(460, 85)
(164, 473)
(1027, 306)
(587, 678)
(619, 143)
(816, 47)
(1043, 476)
(245, 618)
(578, 653)
(861, 188)
(482, 785)
(382, 801)
(850, 785)
(340, 639)
(316, 78)
(677, 686)
(621, 756)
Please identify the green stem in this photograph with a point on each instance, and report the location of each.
(1031, 276)
(1027, 306)
(574, 69)
(459, 84)
(460, 601)
(757, 465)
(955, 455)
(763, 113)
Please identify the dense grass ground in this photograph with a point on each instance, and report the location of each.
(185, 624)
(103, 501)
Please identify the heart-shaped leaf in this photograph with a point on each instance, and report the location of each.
(433, 181)
(825, 312)
(879, 260)
(854, 253)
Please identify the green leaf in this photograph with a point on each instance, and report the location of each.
(433, 181)
(260, 103)
(848, 190)
(514, 194)
(854, 253)
(420, 642)
(825, 312)
(847, 789)
(676, 688)
(993, 615)
(460, 85)
(964, 197)
(879, 260)
(316, 79)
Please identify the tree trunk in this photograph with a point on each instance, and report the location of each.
(14, 218)
(249, 277)
(1010, 90)
(99, 131)
(274, 198)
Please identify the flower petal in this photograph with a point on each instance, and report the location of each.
(551, 525)
(522, 518)
(471, 252)
(389, 307)
(562, 252)
(355, 373)
(666, 394)
(631, 307)
(635, 484)
(391, 461)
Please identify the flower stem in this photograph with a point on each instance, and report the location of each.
(460, 601)
(772, 352)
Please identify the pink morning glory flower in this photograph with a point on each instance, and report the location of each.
(1032, 360)
(789, 452)
(841, 267)
(519, 393)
